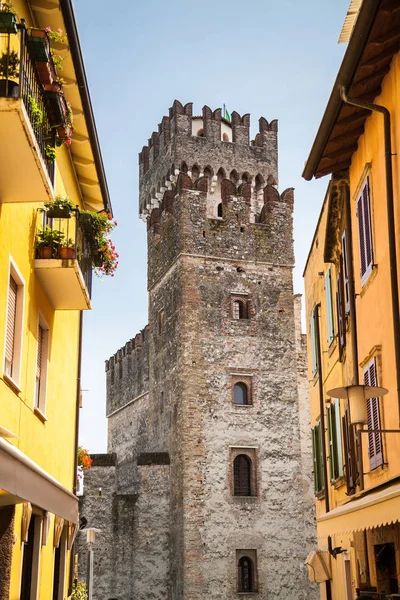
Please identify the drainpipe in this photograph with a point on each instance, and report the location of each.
(322, 425)
(77, 408)
(391, 225)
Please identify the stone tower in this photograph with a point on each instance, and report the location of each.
(204, 495)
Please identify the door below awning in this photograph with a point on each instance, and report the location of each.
(22, 480)
(372, 510)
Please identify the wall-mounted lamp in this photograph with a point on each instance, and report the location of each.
(357, 395)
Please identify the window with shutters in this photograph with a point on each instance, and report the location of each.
(346, 289)
(316, 434)
(375, 452)
(349, 445)
(246, 562)
(313, 337)
(365, 232)
(14, 316)
(334, 422)
(41, 365)
(329, 307)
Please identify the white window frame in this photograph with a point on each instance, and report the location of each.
(15, 376)
(369, 266)
(40, 402)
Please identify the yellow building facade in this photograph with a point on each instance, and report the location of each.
(352, 308)
(42, 156)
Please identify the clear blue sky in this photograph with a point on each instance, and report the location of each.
(273, 59)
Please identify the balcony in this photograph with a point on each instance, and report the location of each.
(64, 260)
(25, 123)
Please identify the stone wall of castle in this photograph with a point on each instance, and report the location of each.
(219, 235)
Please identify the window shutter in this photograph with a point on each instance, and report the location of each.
(339, 445)
(340, 314)
(367, 224)
(39, 357)
(345, 273)
(374, 439)
(11, 319)
(350, 455)
(330, 414)
(365, 231)
(321, 459)
(329, 307)
(315, 461)
(314, 358)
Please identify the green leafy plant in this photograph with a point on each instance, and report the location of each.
(70, 115)
(50, 153)
(101, 226)
(79, 591)
(7, 7)
(48, 237)
(57, 60)
(9, 68)
(59, 202)
(36, 112)
(56, 36)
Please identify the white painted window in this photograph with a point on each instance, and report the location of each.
(42, 359)
(14, 320)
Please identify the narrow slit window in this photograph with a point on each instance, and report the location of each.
(240, 394)
(219, 210)
(242, 475)
(246, 574)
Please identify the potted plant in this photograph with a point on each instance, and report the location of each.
(60, 208)
(38, 45)
(47, 74)
(79, 591)
(67, 251)
(48, 242)
(50, 153)
(9, 62)
(8, 18)
(36, 112)
(58, 108)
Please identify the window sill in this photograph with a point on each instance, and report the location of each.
(39, 414)
(11, 383)
(368, 280)
(247, 594)
(332, 347)
(339, 482)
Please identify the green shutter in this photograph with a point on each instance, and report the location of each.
(330, 414)
(315, 461)
(329, 307)
(321, 460)
(314, 359)
(339, 444)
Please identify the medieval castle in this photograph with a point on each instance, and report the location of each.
(205, 492)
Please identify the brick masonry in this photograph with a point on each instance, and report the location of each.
(172, 527)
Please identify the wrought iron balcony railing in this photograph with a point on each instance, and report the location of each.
(19, 79)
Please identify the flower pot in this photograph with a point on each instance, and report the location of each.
(45, 252)
(38, 45)
(86, 222)
(53, 87)
(98, 259)
(8, 22)
(67, 253)
(64, 132)
(46, 73)
(8, 91)
(58, 108)
(58, 212)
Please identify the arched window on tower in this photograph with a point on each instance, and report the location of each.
(225, 137)
(245, 574)
(219, 210)
(240, 394)
(242, 475)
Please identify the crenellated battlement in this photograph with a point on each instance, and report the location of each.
(183, 140)
(127, 371)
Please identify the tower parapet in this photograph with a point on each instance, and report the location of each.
(205, 145)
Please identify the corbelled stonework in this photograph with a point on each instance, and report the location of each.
(219, 236)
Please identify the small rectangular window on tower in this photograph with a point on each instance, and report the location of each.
(240, 307)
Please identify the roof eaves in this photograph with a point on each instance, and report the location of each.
(344, 78)
(76, 53)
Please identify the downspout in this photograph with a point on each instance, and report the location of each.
(391, 225)
(322, 425)
(77, 408)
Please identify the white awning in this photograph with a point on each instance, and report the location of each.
(22, 480)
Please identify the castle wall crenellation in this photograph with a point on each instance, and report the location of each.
(175, 144)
